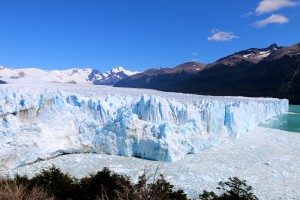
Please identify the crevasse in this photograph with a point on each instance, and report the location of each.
(41, 124)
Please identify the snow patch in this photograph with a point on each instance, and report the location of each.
(78, 76)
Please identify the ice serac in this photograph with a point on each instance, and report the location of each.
(39, 124)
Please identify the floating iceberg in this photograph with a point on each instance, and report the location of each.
(41, 122)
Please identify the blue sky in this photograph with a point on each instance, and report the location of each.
(139, 34)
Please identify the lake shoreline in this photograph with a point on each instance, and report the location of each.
(289, 121)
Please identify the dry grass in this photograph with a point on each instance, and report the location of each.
(11, 191)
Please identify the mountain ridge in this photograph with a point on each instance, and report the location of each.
(252, 55)
(73, 76)
(273, 71)
(256, 72)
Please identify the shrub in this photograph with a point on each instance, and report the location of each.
(158, 189)
(162, 189)
(233, 189)
(10, 190)
(104, 185)
(53, 181)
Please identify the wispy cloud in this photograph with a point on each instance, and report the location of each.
(266, 6)
(195, 60)
(222, 36)
(273, 19)
(250, 13)
(195, 54)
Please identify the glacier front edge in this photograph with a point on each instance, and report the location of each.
(39, 123)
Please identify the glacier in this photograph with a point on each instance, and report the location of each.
(39, 122)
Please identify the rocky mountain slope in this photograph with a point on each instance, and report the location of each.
(252, 55)
(162, 78)
(266, 72)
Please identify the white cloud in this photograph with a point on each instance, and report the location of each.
(250, 13)
(195, 54)
(266, 6)
(222, 36)
(273, 19)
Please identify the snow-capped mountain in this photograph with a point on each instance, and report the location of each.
(110, 77)
(154, 77)
(252, 55)
(290, 51)
(73, 76)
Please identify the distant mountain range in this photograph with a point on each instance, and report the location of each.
(257, 72)
(72, 76)
(265, 72)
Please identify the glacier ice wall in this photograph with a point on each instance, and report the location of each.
(41, 124)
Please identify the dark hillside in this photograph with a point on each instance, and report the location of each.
(267, 72)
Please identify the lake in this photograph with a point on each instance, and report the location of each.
(289, 121)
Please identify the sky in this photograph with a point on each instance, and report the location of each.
(139, 34)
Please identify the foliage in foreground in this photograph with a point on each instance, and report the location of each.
(52, 184)
(233, 189)
(11, 190)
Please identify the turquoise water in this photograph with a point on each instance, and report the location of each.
(288, 121)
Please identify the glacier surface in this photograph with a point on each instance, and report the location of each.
(267, 158)
(39, 122)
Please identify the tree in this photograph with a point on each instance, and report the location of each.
(233, 189)
(158, 189)
(53, 181)
(104, 185)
